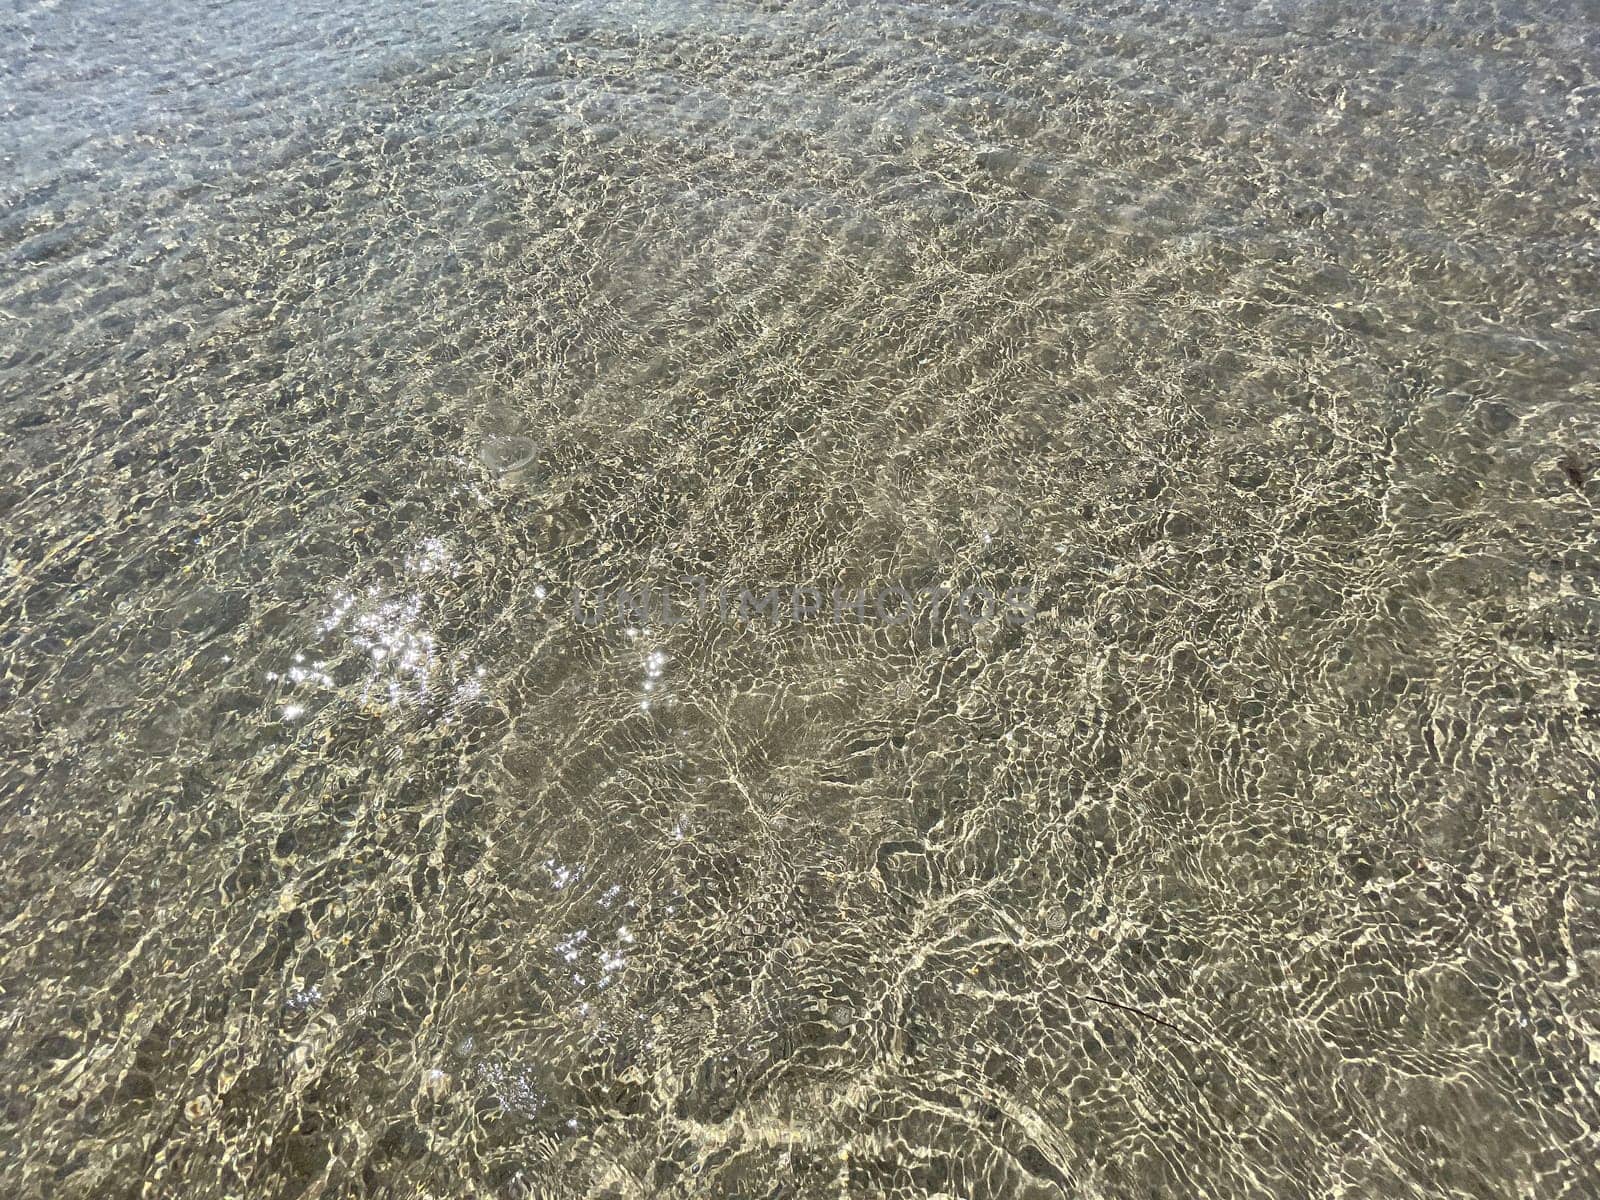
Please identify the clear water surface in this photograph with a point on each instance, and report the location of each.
(340, 343)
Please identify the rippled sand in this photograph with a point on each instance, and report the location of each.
(340, 344)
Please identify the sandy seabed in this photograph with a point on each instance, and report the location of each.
(341, 345)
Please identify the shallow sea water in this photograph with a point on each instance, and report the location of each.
(340, 344)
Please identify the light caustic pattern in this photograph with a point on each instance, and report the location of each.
(341, 344)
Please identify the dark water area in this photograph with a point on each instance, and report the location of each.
(346, 348)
